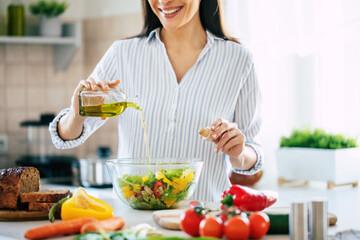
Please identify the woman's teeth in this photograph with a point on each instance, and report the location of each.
(170, 11)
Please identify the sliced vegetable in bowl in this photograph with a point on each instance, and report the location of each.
(156, 183)
(164, 189)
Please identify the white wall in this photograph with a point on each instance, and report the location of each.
(101, 8)
(307, 57)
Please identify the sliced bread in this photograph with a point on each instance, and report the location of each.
(14, 181)
(40, 206)
(47, 196)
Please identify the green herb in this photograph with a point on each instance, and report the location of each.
(317, 139)
(48, 8)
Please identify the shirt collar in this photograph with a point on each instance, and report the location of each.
(155, 34)
(152, 34)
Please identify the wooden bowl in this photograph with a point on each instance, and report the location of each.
(245, 180)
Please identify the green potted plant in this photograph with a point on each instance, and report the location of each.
(314, 155)
(49, 12)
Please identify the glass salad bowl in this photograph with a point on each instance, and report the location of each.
(159, 183)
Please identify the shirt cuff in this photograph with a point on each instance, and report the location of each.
(58, 142)
(259, 163)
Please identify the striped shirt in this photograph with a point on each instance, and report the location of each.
(221, 84)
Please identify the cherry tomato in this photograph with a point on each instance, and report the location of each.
(259, 224)
(223, 217)
(157, 191)
(211, 227)
(237, 228)
(190, 221)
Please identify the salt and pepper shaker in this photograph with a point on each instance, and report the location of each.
(318, 219)
(298, 221)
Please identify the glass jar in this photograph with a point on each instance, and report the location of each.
(16, 19)
(105, 103)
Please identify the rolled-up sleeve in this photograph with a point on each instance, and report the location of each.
(248, 118)
(91, 124)
(106, 69)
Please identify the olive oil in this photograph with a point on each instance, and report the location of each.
(142, 117)
(114, 109)
(106, 110)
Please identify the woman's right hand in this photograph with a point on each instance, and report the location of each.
(71, 124)
(89, 84)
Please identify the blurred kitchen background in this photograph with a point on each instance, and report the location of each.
(307, 57)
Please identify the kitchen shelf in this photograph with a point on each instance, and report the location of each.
(38, 40)
(65, 47)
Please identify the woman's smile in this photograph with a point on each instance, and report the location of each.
(174, 14)
(169, 12)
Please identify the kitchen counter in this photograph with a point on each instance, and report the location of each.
(343, 202)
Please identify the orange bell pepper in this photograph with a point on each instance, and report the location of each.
(82, 205)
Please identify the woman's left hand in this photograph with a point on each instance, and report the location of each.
(227, 137)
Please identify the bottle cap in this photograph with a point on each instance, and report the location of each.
(204, 132)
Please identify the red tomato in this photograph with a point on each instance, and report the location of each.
(259, 224)
(211, 227)
(237, 228)
(190, 221)
(158, 191)
(223, 217)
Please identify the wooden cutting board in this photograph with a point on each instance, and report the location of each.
(170, 219)
(13, 215)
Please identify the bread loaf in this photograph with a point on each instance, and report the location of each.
(14, 181)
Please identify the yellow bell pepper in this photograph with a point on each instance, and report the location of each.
(181, 182)
(83, 205)
(128, 192)
(169, 202)
(160, 175)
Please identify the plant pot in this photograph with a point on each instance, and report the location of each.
(50, 27)
(335, 166)
(245, 180)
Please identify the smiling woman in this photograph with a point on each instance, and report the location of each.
(189, 74)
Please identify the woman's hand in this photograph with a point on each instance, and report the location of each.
(89, 85)
(227, 137)
(71, 124)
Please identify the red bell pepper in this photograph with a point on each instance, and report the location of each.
(247, 199)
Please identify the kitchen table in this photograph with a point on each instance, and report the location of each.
(343, 202)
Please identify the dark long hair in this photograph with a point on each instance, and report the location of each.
(211, 18)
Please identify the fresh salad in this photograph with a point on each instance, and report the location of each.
(163, 189)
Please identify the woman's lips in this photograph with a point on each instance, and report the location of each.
(170, 12)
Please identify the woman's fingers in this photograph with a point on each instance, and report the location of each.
(85, 83)
(104, 85)
(238, 141)
(114, 83)
(93, 84)
(225, 138)
(222, 127)
(216, 124)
